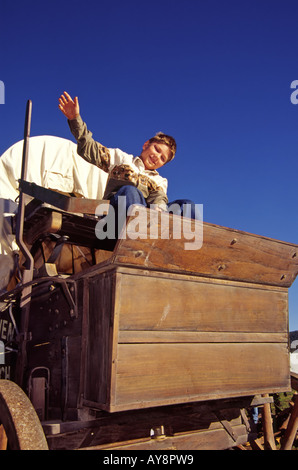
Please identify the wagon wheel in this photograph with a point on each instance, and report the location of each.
(20, 428)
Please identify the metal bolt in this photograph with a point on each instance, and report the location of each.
(158, 432)
(221, 267)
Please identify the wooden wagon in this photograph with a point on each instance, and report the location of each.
(140, 343)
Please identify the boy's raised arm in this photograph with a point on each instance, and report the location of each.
(69, 107)
(92, 151)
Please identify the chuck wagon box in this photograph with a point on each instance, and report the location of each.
(155, 335)
(178, 326)
(156, 324)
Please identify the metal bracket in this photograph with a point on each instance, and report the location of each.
(64, 376)
(245, 420)
(69, 297)
(226, 425)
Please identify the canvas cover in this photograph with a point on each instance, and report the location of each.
(53, 163)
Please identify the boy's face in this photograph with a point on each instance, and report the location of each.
(155, 155)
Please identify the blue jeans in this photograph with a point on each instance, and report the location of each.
(133, 195)
(116, 218)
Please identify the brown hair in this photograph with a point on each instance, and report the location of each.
(165, 139)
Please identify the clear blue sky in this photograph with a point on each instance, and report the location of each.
(215, 74)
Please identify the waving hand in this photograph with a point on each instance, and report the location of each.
(69, 107)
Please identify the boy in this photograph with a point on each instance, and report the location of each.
(136, 178)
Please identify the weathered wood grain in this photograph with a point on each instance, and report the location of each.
(154, 303)
(171, 338)
(50, 223)
(217, 439)
(173, 373)
(225, 253)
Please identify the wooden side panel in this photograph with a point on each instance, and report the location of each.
(224, 254)
(184, 339)
(157, 338)
(158, 374)
(100, 338)
(156, 303)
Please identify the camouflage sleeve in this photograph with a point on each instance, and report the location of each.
(92, 151)
(157, 193)
(158, 198)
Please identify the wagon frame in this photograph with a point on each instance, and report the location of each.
(149, 347)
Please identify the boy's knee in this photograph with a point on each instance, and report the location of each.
(130, 192)
(128, 195)
(126, 189)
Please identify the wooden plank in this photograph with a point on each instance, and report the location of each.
(64, 202)
(257, 444)
(100, 339)
(114, 322)
(217, 439)
(175, 303)
(158, 374)
(225, 253)
(50, 223)
(292, 429)
(79, 229)
(269, 441)
(133, 336)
